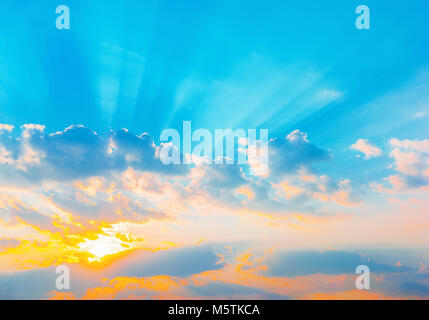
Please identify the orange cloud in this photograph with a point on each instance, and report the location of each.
(351, 295)
(245, 271)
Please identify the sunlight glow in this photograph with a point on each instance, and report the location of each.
(103, 246)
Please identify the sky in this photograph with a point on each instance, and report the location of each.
(82, 184)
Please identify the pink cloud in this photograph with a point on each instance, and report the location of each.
(368, 149)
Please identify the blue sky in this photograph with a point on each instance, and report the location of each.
(150, 65)
(347, 110)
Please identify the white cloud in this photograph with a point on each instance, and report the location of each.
(5, 156)
(6, 127)
(411, 156)
(411, 163)
(369, 150)
(29, 128)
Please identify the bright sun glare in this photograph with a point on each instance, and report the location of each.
(103, 246)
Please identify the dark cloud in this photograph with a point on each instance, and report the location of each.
(75, 152)
(292, 264)
(290, 154)
(78, 152)
(222, 289)
(185, 261)
(414, 288)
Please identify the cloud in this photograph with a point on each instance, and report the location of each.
(411, 161)
(352, 295)
(414, 288)
(114, 168)
(304, 187)
(77, 152)
(244, 274)
(292, 153)
(6, 127)
(5, 156)
(142, 263)
(411, 164)
(247, 275)
(300, 263)
(31, 128)
(368, 149)
(107, 197)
